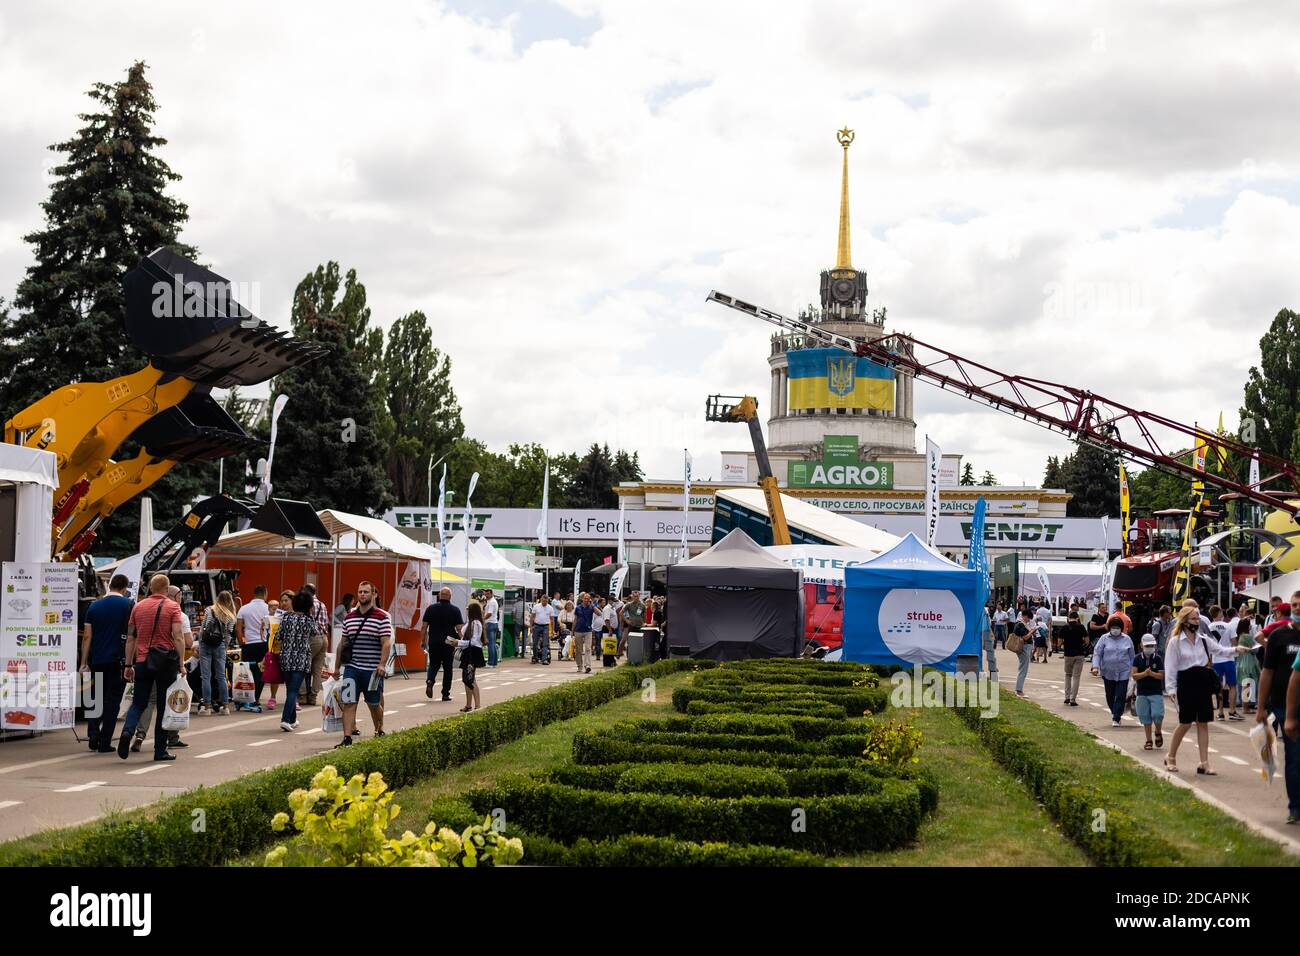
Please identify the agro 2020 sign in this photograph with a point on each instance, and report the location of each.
(840, 468)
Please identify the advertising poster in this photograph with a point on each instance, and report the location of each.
(38, 641)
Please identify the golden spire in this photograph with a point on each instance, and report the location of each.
(843, 255)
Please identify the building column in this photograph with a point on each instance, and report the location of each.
(783, 391)
(771, 408)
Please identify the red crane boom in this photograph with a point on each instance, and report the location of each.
(1077, 413)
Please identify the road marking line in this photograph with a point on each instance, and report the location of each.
(1237, 760)
(211, 753)
(314, 730)
(1211, 750)
(408, 706)
(389, 713)
(6, 804)
(263, 743)
(82, 786)
(136, 773)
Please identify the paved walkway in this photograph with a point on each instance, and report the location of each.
(1238, 789)
(52, 780)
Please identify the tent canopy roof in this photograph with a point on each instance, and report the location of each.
(366, 534)
(735, 561)
(22, 465)
(736, 550)
(911, 553)
(911, 564)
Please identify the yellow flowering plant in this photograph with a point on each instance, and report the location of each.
(892, 743)
(345, 823)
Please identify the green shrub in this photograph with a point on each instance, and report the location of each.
(602, 748)
(703, 780)
(646, 851)
(799, 726)
(1124, 841)
(786, 678)
(893, 743)
(834, 825)
(825, 711)
(345, 823)
(854, 700)
(235, 813)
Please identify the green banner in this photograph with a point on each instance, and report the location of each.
(840, 468)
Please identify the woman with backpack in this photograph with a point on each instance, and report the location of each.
(218, 629)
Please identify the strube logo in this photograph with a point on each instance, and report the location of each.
(77, 909)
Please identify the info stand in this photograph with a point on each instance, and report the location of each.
(38, 642)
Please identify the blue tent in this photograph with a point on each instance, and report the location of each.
(911, 605)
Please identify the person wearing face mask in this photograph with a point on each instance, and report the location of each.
(1190, 679)
(1112, 659)
(1149, 675)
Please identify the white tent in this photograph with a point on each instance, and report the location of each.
(821, 563)
(1071, 579)
(817, 522)
(1284, 585)
(515, 576)
(33, 474)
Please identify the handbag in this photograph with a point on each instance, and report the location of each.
(212, 636)
(1016, 642)
(158, 659)
(271, 669)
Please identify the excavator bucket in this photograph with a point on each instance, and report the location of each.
(186, 319)
(198, 429)
(290, 519)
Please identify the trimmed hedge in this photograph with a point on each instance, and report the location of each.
(885, 819)
(786, 678)
(702, 780)
(602, 748)
(625, 851)
(1125, 841)
(794, 708)
(854, 700)
(800, 727)
(238, 813)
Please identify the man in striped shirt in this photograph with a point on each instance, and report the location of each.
(366, 644)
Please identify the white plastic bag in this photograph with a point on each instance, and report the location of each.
(176, 715)
(242, 688)
(331, 711)
(566, 652)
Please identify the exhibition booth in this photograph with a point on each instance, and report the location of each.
(735, 601)
(822, 567)
(911, 605)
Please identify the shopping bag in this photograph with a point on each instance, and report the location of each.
(271, 669)
(1264, 741)
(566, 652)
(176, 714)
(609, 644)
(331, 711)
(242, 688)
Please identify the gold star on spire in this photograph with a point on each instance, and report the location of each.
(843, 255)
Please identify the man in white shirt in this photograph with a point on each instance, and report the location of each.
(251, 628)
(543, 615)
(492, 626)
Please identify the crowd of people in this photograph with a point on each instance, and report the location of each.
(283, 645)
(1230, 664)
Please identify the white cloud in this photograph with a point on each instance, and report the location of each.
(559, 185)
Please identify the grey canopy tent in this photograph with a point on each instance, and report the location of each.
(735, 601)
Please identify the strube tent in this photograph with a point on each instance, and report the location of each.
(911, 605)
(735, 601)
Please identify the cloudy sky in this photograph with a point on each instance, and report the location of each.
(1104, 194)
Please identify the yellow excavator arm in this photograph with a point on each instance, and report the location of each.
(723, 408)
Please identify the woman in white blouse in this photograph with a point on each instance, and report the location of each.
(1191, 680)
(471, 655)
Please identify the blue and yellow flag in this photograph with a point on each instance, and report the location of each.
(833, 378)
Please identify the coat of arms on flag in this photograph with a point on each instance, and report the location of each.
(840, 375)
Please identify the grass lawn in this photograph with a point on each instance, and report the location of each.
(985, 816)
(1205, 834)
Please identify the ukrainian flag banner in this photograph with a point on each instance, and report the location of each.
(833, 378)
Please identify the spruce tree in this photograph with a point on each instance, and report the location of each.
(332, 448)
(1091, 476)
(967, 475)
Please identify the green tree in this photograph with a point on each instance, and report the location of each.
(1091, 476)
(1155, 490)
(335, 432)
(627, 467)
(988, 480)
(593, 483)
(1052, 477)
(422, 404)
(1272, 395)
(107, 207)
(967, 475)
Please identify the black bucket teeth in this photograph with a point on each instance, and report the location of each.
(186, 319)
(198, 429)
